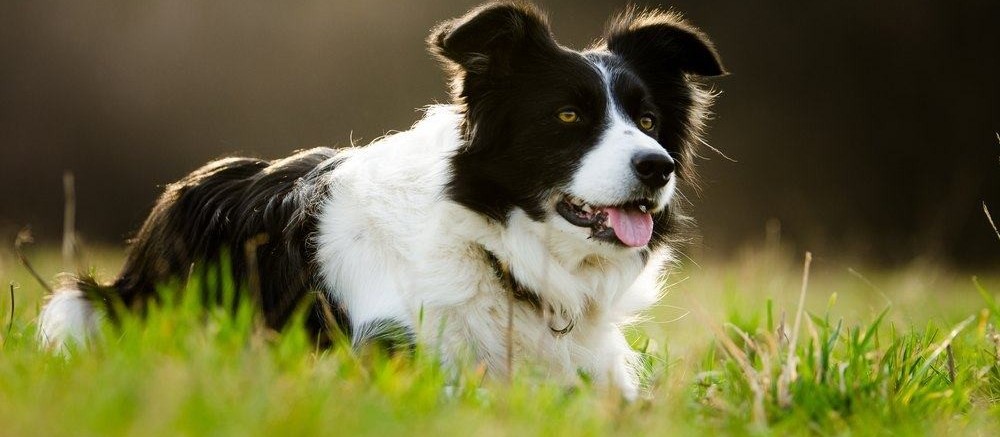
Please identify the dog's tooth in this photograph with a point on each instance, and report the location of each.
(643, 209)
(586, 208)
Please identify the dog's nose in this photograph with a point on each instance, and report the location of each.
(653, 168)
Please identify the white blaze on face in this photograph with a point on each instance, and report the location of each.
(605, 176)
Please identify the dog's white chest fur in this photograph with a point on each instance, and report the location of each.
(393, 247)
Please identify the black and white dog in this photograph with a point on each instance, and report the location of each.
(527, 221)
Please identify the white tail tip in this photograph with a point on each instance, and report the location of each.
(67, 318)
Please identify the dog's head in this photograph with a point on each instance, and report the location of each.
(590, 143)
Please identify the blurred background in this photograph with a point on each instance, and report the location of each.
(859, 130)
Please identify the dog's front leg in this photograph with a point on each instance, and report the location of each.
(616, 365)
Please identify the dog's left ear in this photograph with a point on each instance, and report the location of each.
(663, 42)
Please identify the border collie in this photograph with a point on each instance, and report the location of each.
(525, 222)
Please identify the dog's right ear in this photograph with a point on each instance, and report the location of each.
(486, 39)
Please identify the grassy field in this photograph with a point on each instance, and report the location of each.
(907, 351)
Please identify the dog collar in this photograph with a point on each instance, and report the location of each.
(522, 294)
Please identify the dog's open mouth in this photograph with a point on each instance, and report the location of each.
(630, 223)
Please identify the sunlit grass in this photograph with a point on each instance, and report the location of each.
(871, 357)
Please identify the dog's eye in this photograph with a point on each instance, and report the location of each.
(569, 116)
(647, 123)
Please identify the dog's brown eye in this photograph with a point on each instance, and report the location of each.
(647, 123)
(569, 116)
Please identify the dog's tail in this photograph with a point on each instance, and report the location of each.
(72, 315)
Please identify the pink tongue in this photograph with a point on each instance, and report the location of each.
(633, 227)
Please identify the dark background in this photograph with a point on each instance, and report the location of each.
(866, 129)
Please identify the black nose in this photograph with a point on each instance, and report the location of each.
(653, 168)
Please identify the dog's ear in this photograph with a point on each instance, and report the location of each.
(487, 38)
(663, 42)
(664, 49)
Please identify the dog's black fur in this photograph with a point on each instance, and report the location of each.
(235, 208)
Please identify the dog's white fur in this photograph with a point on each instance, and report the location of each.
(393, 247)
(611, 158)
(67, 320)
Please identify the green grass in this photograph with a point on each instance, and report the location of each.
(871, 357)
